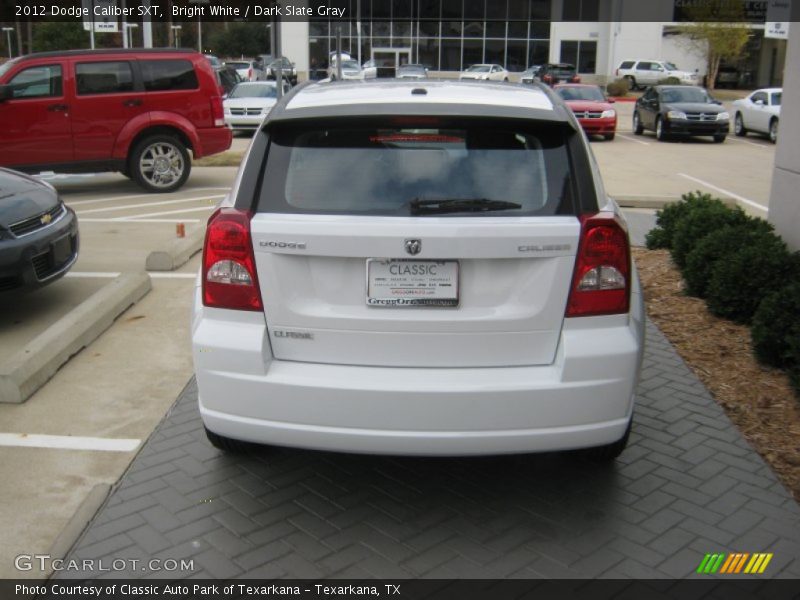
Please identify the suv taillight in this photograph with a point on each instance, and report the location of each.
(575, 79)
(601, 282)
(229, 265)
(217, 112)
(250, 74)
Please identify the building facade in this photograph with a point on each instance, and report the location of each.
(449, 35)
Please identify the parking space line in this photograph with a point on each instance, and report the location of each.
(69, 442)
(128, 197)
(112, 275)
(735, 139)
(145, 204)
(137, 220)
(166, 212)
(726, 192)
(633, 139)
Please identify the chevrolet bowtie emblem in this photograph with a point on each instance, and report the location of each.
(46, 218)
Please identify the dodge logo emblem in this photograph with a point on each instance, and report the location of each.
(413, 247)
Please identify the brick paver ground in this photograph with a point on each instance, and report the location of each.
(688, 484)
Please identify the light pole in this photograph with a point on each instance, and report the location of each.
(129, 27)
(176, 31)
(8, 31)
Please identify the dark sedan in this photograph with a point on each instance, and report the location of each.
(38, 233)
(674, 110)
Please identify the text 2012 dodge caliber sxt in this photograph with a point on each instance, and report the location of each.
(418, 268)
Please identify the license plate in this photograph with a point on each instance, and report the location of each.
(62, 250)
(401, 283)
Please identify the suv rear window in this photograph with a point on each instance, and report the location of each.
(379, 170)
(628, 64)
(168, 75)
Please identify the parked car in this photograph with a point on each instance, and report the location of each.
(759, 112)
(249, 101)
(370, 69)
(249, 70)
(412, 72)
(350, 70)
(288, 70)
(530, 75)
(555, 73)
(418, 307)
(728, 77)
(139, 112)
(228, 78)
(672, 110)
(642, 73)
(593, 110)
(38, 233)
(485, 73)
(215, 62)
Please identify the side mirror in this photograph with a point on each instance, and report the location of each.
(6, 93)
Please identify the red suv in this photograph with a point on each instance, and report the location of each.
(134, 111)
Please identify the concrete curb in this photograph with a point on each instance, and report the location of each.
(73, 530)
(24, 372)
(177, 252)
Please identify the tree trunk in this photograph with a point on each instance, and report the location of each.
(713, 68)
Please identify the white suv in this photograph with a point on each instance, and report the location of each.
(418, 268)
(643, 73)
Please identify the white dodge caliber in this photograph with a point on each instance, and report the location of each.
(418, 268)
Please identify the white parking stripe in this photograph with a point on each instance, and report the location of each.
(166, 212)
(736, 139)
(136, 220)
(128, 197)
(726, 192)
(633, 139)
(112, 275)
(69, 442)
(145, 204)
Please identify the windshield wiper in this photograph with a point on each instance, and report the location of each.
(459, 205)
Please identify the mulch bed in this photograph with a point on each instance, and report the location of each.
(759, 400)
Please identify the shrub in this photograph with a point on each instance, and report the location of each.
(776, 328)
(698, 223)
(668, 217)
(618, 87)
(739, 280)
(716, 245)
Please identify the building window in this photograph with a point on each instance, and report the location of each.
(473, 52)
(581, 10)
(451, 55)
(581, 54)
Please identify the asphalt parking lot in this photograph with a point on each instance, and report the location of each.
(122, 385)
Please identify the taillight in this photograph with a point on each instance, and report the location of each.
(575, 79)
(616, 72)
(217, 114)
(547, 78)
(601, 281)
(250, 74)
(229, 265)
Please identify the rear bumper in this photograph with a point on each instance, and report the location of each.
(583, 399)
(213, 140)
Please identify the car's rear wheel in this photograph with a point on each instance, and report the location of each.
(638, 129)
(160, 163)
(738, 125)
(631, 82)
(226, 444)
(661, 135)
(609, 136)
(773, 131)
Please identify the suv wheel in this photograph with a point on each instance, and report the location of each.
(661, 135)
(227, 444)
(637, 124)
(631, 82)
(160, 163)
(738, 126)
(773, 131)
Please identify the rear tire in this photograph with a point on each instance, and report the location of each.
(631, 83)
(773, 131)
(738, 126)
(609, 452)
(609, 136)
(227, 444)
(160, 163)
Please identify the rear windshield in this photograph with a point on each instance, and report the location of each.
(360, 170)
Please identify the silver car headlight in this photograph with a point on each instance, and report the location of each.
(723, 116)
(676, 114)
(608, 114)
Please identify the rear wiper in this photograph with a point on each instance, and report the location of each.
(459, 205)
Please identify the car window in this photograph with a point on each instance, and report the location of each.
(776, 98)
(396, 165)
(685, 94)
(643, 66)
(103, 77)
(238, 65)
(254, 90)
(759, 96)
(581, 93)
(167, 75)
(41, 81)
(627, 64)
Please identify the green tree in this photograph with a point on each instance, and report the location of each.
(240, 39)
(58, 35)
(718, 32)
